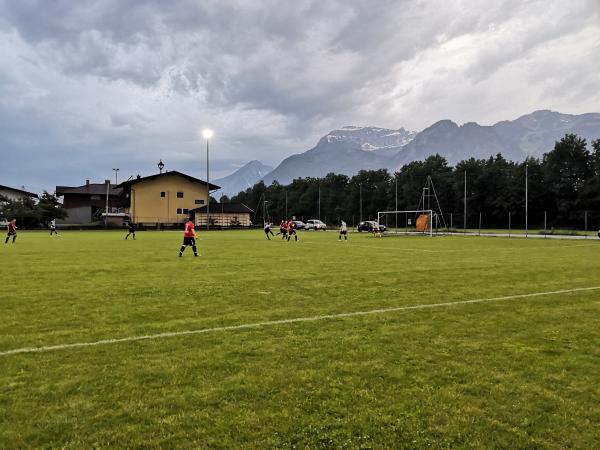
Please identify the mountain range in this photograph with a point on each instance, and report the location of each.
(352, 148)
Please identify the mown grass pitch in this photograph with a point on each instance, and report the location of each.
(514, 373)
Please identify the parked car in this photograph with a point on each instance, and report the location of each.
(316, 224)
(370, 226)
(300, 225)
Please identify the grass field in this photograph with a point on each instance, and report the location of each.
(514, 372)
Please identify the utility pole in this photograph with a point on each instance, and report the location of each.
(360, 196)
(465, 211)
(396, 209)
(265, 211)
(526, 201)
(106, 210)
(319, 202)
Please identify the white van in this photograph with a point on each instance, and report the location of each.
(315, 224)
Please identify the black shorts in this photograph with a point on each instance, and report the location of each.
(189, 241)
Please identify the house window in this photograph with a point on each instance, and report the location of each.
(183, 211)
(199, 202)
(163, 194)
(180, 195)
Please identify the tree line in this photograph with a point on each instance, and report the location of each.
(30, 213)
(563, 189)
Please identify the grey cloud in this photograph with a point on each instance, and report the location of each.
(130, 79)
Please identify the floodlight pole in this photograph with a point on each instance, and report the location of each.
(207, 190)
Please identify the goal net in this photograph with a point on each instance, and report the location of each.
(420, 222)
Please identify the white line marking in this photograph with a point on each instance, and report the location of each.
(284, 322)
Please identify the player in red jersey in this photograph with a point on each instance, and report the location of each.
(282, 229)
(291, 226)
(189, 237)
(12, 231)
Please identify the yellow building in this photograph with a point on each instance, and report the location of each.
(165, 198)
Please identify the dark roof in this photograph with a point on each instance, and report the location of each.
(21, 191)
(172, 172)
(231, 208)
(89, 189)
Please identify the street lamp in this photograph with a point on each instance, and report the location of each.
(116, 176)
(207, 134)
(161, 165)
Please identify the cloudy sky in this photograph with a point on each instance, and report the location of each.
(87, 86)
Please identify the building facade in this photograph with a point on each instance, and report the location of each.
(165, 198)
(15, 194)
(87, 203)
(224, 215)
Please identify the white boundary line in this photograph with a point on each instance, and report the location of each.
(284, 322)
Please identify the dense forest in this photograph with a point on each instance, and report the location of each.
(563, 186)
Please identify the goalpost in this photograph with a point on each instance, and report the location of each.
(418, 221)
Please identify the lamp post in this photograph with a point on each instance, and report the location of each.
(116, 176)
(161, 166)
(207, 134)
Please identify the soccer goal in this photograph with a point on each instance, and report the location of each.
(419, 221)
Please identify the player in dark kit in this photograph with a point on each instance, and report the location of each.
(131, 230)
(12, 231)
(189, 238)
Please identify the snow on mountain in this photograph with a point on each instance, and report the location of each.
(371, 138)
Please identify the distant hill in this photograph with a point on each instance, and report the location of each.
(243, 178)
(530, 135)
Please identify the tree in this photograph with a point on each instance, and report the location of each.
(23, 210)
(567, 168)
(48, 209)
